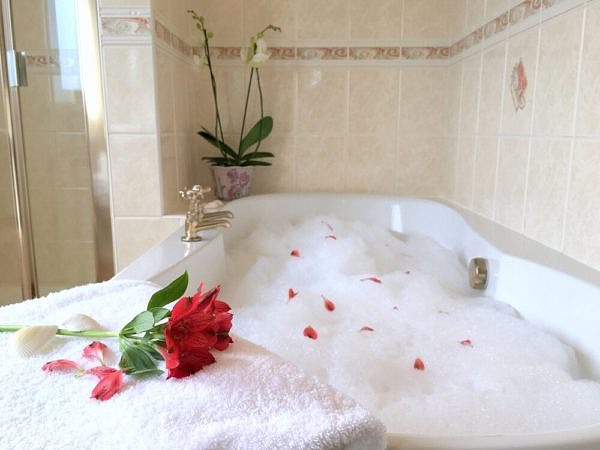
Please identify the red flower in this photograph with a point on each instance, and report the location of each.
(467, 342)
(197, 324)
(373, 279)
(295, 253)
(329, 305)
(60, 364)
(331, 236)
(367, 328)
(95, 351)
(291, 293)
(310, 332)
(108, 385)
(419, 364)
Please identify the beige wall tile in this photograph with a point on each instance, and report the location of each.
(30, 24)
(582, 227)
(138, 235)
(492, 83)
(546, 190)
(484, 175)
(374, 101)
(375, 20)
(422, 166)
(64, 264)
(279, 177)
(224, 19)
(475, 14)
(493, 8)
(170, 196)
(470, 91)
(512, 176)
(588, 112)
(457, 20)
(371, 164)
(463, 178)
(428, 20)
(322, 101)
(555, 92)
(453, 89)
(279, 95)
(521, 47)
(125, 3)
(318, 20)
(129, 89)
(423, 102)
(36, 102)
(136, 186)
(165, 67)
(260, 13)
(231, 86)
(320, 163)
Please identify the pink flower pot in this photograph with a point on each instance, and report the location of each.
(232, 182)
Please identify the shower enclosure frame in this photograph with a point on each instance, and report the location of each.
(95, 123)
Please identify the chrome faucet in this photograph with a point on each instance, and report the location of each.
(197, 218)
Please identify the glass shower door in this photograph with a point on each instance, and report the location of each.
(59, 110)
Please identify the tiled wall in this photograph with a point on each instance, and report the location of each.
(534, 169)
(410, 97)
(139, 219)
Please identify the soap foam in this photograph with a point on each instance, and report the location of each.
(513, 378)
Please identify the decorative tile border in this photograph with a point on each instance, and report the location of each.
(125, 26)
(512, 17)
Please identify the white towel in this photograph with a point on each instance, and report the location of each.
(249, 399)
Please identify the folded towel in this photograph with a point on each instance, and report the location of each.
(249, 399)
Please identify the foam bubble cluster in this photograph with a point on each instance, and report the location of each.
(396, 299)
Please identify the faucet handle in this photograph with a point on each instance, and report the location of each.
(195, 193)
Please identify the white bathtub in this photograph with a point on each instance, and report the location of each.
(549, 290)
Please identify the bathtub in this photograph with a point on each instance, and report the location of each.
(551, 291)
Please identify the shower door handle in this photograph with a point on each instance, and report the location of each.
(16, 64)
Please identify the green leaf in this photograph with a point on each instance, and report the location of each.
(256, 163)
(136, 359)
(174, 291)
(144, 321)
(260, 131)
(249, 156)
(217, 161)
(160, 313)
(224, 148)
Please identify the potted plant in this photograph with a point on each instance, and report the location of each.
(232, 169)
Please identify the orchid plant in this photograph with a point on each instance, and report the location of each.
(182, 336)
(255, 55)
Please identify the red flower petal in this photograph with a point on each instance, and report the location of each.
(65, 365)
(367, 328)
(291, 293)
(373, 279)
(419, 364)
(95, 351)
(467, 342)
(295, 253)
(327, 225)
(108, 385)
(331, 236)
(310, 332)
(100, 371)
(329, 305)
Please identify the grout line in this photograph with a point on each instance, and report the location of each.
(499, 133)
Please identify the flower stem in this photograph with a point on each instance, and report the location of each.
(213, 83)
(245, 111)
(260, 96)
(65, 332)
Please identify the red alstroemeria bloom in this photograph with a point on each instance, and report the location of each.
(310, 332)
(95, 351)
(109, 385)
(64, 365)
(197, 324)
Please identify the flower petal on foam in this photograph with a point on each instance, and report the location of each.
(62, 365)
(291, 293)
(373, 279)
(295, 253)
(328, 304)
(419, 364)
(310, 332)
(108, 385)
(367, 328)
(467, 342)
